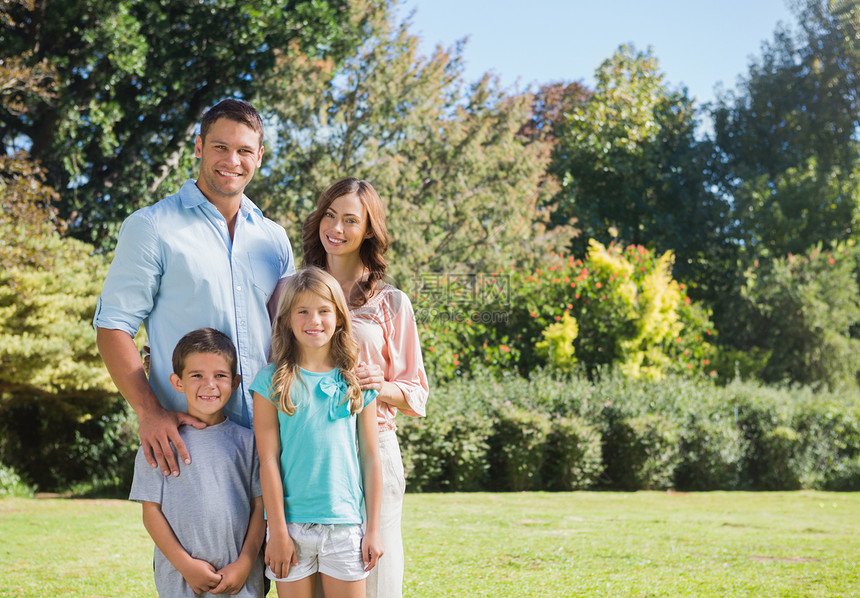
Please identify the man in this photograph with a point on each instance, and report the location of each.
(204, 257)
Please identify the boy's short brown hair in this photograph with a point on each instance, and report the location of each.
(204, 340)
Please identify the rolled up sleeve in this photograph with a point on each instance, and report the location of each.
(406, 362)
(133, 278)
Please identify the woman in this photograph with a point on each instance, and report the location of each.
(346, 236)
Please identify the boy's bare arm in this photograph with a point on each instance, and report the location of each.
(157, 426)
(200, 575)
(234, 575)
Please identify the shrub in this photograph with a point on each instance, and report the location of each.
(573, 460)
(763, 418)
(618, 307)
(844, 476)
(639, 452)
(11, 483)
(422, 452)
(52, 446)
(517, 442)
(445, 454)
(658, 440)
(555, 432)
(712, 450)
(830, 444)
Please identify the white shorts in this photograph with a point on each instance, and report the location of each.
(333, 550)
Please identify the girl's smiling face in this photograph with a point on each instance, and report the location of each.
(313, 320)
(343, 227)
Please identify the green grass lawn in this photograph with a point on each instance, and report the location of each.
(717, 544)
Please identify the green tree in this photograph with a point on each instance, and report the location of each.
(133, 78)
(463, 188)
(550, 105)
(787, 157)
(788, 136)
(633, 168)
(56, 399)
(804, 309)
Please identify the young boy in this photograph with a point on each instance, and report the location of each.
(207, 524)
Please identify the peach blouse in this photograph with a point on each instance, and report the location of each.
(388, 336)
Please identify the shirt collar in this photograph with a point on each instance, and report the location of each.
(192, 197)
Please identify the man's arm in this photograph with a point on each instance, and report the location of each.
(157, 426)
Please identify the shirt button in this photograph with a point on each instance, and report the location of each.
(238, 287)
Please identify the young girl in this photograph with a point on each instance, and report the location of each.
(310, 416)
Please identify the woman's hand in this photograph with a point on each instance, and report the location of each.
(370, 376)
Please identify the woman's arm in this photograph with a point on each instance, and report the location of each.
(405, 386)
(371, 377)
(371, 476)
(280, 551)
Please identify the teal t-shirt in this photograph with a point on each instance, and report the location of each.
(319, 448)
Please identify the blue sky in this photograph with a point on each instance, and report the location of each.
(699, 43)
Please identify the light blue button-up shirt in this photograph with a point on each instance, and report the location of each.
(176, 269)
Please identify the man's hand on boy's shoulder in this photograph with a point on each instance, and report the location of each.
(158, 429)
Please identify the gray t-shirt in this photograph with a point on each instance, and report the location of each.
(209, 505)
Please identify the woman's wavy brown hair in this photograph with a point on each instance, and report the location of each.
(373, 248)
(286, 351)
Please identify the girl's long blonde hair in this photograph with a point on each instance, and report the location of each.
(286, 351)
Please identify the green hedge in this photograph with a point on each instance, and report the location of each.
(567, 433)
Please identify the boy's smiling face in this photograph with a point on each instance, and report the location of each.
(207, 383)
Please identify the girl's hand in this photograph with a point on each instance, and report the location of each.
(200, 575)
(371, 549)
(281, 554)
(370, 376)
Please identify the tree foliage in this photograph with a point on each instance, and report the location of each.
(633, 168)
(804, 309)
(132, 78)
(463, 188)
(788, 136)
(787, 158)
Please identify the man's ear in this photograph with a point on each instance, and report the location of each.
(198, 146)
(236, 380)
(176, 383)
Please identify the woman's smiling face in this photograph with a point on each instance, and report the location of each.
(343, 227)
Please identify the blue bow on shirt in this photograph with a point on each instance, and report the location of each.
(335, 389)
